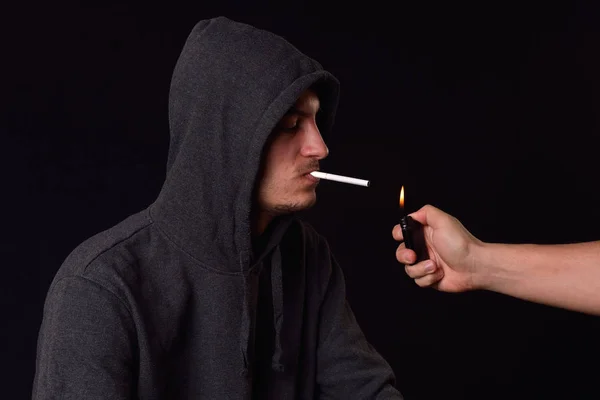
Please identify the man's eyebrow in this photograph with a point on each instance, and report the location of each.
(296, 111)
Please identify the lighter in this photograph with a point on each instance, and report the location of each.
(412, 232)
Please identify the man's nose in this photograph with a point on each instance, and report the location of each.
(314, 145)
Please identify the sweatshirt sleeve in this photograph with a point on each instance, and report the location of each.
(84, 345)
(348, 367)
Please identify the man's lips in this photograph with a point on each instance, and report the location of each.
(308, 171)
(310, 177)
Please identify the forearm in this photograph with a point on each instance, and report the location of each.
(348, 366)
(566, 276)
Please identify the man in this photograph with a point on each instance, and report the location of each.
(559, 275)
(217, 291)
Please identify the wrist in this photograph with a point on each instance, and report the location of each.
(481, 265)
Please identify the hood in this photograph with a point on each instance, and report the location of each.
(231, 85)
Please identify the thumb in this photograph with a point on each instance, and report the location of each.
(429, 215)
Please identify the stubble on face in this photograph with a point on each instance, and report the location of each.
(292, 151)
(288, 191)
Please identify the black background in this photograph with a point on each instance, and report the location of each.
(488, 110)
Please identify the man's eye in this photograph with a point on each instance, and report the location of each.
(290, 125)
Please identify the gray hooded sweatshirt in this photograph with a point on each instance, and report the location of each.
(176, 301)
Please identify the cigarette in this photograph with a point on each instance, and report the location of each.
(340, 178)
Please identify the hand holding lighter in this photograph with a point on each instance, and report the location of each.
(414, 237)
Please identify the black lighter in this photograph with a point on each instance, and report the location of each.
(412, 232)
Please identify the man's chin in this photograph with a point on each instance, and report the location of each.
(289, 208)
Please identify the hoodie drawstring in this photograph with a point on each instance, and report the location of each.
(277, 293)
(245, 326)
(245, 329)
(249, 298)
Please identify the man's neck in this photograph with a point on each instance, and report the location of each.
(260, 223)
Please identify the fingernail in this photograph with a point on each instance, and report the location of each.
(429, 267)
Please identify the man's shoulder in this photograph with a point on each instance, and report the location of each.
(105, 247)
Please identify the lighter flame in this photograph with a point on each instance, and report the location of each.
(402, 197)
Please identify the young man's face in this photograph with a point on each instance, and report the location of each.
(292, 152)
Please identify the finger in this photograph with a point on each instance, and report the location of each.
(421, 269)
(431, 279)
(397, 233)
(429, 215)
(404, 255)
